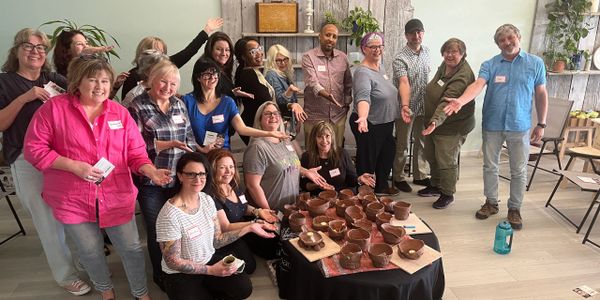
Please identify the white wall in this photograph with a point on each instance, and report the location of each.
(177, 22)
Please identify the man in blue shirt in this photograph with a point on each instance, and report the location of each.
(512, 77)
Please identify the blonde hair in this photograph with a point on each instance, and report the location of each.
(81, 68)
(147, 43)
(271, 64)
(258, 117)
(12, 61)
(162, 69)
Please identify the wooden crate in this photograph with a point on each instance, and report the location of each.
(277, 17)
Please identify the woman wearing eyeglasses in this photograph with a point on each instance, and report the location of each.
(72, 139)
(193, 243)
(22, 93)
(249, 54)
(374, 111)
(211, 113)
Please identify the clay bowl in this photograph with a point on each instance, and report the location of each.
(311, 238)
(382, 218)
(288, 209)
(301, 200)
(365, 189)
(341, 205)
(350, 256)
(353, 213)
(297, 221)
(411, 248)
(388, 203)
(317, 207)
(330, 196)
(337, 230)
(373, 209)
(347, 192)
(380, 254)
(363, 224)
(392, 234)
(401, 210)
(368, 199)
(341, 196)
(321, 223)
(358, 236)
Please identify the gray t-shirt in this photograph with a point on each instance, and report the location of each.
(280, 169)
(196, 231)
(377, 89)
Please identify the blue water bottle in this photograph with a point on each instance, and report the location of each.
(503, 232)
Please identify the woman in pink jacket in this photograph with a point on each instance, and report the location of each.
(73, 139)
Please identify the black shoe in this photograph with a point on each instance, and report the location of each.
(423, 182)
(159, 281)
(429, 191)
(390, 191)
(403, 186)
(443, 201)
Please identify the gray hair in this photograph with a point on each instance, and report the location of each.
(506, 29)
(147, 60)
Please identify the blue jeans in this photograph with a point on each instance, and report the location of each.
(90, 244)
(517, 143)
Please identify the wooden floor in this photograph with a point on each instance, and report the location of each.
(547, 260)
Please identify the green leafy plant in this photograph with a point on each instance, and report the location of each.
(330, 19)
(359, 22)
(568, 24)
(95, 36)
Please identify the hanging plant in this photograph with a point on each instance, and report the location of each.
(359, 22)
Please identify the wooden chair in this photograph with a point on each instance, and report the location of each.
(6, 193)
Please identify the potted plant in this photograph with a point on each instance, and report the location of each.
(330, 19)
(95, 36)
(567, 25)
(359, 22)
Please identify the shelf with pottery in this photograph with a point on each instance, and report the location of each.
(574, 72)
(290, 35)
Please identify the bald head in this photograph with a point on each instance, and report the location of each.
(328, 38)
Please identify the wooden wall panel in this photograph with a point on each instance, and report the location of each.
(231, 10)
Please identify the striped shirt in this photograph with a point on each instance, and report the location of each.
(416, 67)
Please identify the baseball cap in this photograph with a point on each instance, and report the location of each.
(413, 25)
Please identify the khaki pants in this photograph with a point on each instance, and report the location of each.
(339, 127)
(442, 151)
(419, 165)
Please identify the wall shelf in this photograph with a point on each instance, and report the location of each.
(570, 73)
(299, 34)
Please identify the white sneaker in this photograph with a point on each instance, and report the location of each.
(78, 287)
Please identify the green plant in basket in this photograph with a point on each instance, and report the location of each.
(359, 22)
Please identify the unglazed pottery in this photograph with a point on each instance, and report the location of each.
(359, 236)
(401, 210)
(350, 256)
(380, 254)
(317, 206)
(392, 234)
(411, 248)
(337, 230)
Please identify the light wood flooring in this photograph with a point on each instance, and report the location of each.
(547, 260)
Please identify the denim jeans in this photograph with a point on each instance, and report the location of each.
(90, 244)
(28, 185)
(518, 154)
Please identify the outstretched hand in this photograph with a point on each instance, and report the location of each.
(429, 129)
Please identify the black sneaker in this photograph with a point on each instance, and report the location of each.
(429, 191)
(423, 182)
(403, 186)
(443, 201)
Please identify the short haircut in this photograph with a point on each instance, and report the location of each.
(506, 29)
(12, 61)
(147, 60)
(85, 67)
(185, 159)
(162, 69)
(462, 48)
(258, 116)
(148, 43)
(240, 50)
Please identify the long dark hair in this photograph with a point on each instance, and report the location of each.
(210, 44)
(62, 56)
(202, 65)
(192, 157)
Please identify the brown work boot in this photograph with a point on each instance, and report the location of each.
(514, 218)
(486, 210)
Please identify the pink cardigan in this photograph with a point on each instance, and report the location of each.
(60, 128)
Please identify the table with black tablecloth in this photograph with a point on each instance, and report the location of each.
(300, 279)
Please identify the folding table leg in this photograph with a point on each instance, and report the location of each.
(587, 213)
(554, 190)
(589, 230)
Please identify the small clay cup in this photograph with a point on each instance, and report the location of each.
(337, 230)
(311, 238)
(297, 221)
(350, 255)
(401, 210)
(367, 199)
(288, 209)
(364, 224)
(321, 223)
(347, 192)
(411, 248)
(388, 203)
(330, 196)
(301, 200)
(317, 207)
(341, 196)
(353, 213)
(380, 254)
(359, 236)
(382, 218)
(365, 189)
(392, 234)
(373, 209)
(341, 205)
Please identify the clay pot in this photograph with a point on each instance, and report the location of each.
(350, 256)
(341, 205)
(353, 214)
(363, 224)
(337, 230)
(365, 189)
(347, 192)
(312, 240)
(317, 207)
(411, 248)
(321, 223)
(401, 210)
(373, 209)
(382, 218)
(289, 209)
(341, 196)
(368, 199)
(297, 221)
(388, 203)
(330, 196)
(392, 234)
(301, 200)
(358, 236)
(380, 254)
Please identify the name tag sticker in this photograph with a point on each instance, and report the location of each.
(289, 147)
(114, 125)
(218, 119)
(178, 119)
(385, 77)
(440, 83)
(243, 199)
(335, 172)
(321, 68)
(500, 79)
(193, 232)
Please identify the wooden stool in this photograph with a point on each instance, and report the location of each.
(578, 140)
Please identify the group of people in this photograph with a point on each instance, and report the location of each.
(79, 159)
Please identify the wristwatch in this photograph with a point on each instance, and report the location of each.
(540, 125)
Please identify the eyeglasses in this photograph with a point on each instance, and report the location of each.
(29, 47)
(255, 51)
(88, 57)
(374, 47)
(270, 114)
(193, 175)
(281, 61)
(209, 75)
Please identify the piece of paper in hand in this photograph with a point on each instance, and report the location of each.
(53, 89)
(105, 166)
(210, 137)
